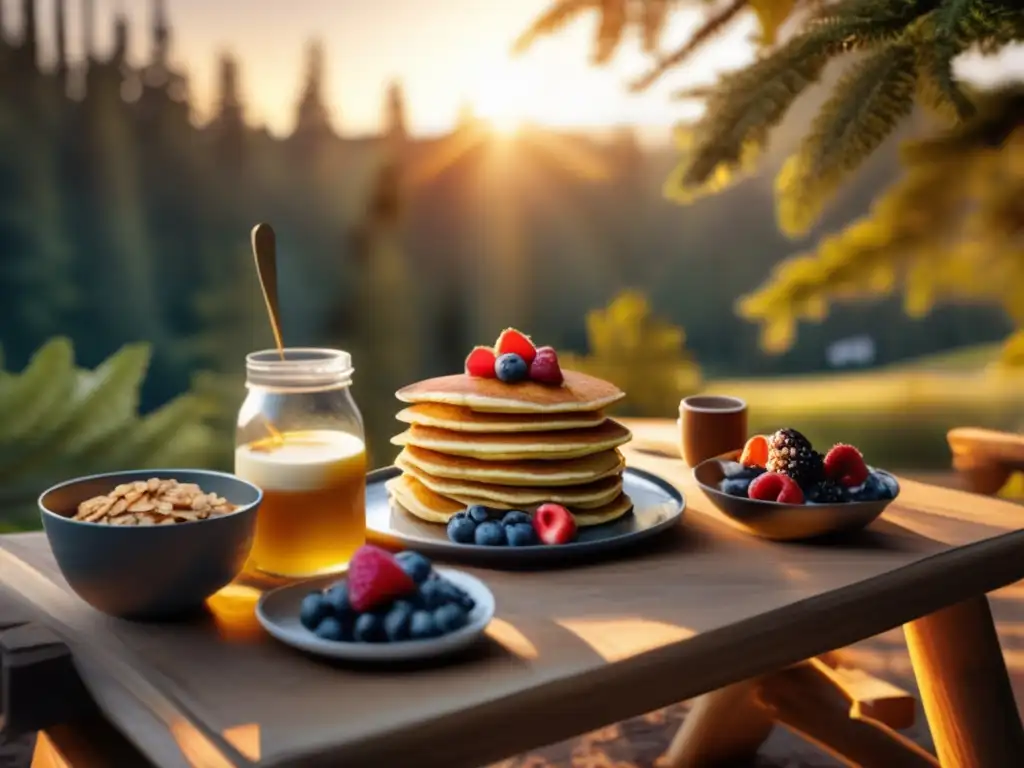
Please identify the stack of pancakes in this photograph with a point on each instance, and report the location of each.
(510, 446)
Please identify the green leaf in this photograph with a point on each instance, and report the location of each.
(66, 422)
(30, 399)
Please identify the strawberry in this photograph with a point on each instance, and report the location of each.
(554, 524)
(544, 368)
(774, 486)
(376, 578)
(845, 465)
(480, 363)
(512, 342)
(755, 452)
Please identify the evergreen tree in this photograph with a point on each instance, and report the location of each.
(898, 55)
(36, 292)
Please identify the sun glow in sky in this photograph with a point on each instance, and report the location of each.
(446, 53)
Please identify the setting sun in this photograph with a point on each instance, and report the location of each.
(503, 95)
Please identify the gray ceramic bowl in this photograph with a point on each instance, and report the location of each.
(787, 522)
(150, 572)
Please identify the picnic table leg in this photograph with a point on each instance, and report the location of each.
(843, 710)
(965, 687)
(721, 726)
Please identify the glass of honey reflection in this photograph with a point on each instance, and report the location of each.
(300, 439)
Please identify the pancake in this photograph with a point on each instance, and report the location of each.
(459, 419)
(418, 500)
(578, 392)
(515, 496)
(565, 444)
(527, 473)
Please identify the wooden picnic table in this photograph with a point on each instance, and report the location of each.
(699, 611)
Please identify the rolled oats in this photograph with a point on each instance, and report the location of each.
(153, 502)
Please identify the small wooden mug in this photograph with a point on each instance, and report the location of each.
(710, 425)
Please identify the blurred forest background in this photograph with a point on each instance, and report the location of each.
(128, 298)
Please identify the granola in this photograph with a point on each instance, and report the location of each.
(153, 502)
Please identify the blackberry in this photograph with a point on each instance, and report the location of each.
(826, 492)
(790, 453)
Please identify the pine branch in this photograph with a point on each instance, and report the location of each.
(950, 228)
(749, 103)
(652, 22)
(694, 92)
(866, 106)
(610, 30)
(740, 113)
(958, 24)
(558, 16)
(704, 33)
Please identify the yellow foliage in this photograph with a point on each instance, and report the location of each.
(949, 229)
(641, 354)
(771, 15)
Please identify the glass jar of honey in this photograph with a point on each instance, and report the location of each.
(300, 439)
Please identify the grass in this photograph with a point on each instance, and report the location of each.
(898, 415)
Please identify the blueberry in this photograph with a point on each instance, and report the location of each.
(889, 484)
(735, 486)
(422, 626)
(454, 594)
(478, 513)
(515, 516)
(331, 629)
(450, 617)
(461, 529)
(396, 622)
(733, 470)
(872, 489)
(432, 594)
(313, 611)
(414, 564)
(369, 628)
(511, 368)
(521, 535)
(490, 534)
(336, 601)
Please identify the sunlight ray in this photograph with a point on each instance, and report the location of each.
(443, 155)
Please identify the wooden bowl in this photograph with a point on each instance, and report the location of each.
(787, 522)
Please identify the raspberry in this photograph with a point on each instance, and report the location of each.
(774, 486)
(544, 368)
(554, 524)
(480, 363)
(755, 452)
(845, 465)
(376, 578)
(513, 342)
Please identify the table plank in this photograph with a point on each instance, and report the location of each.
(571, 649)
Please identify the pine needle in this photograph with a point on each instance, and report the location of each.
(610, 30)
(866, 106)
(554, 19)
(704, 33)
(652, 22)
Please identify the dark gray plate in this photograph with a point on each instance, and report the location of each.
(657, 506)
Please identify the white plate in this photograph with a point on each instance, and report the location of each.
(278, 612)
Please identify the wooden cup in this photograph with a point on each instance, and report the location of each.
(710, 425)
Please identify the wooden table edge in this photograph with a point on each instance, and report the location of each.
(551, 712)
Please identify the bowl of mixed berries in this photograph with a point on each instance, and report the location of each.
(780, 487)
